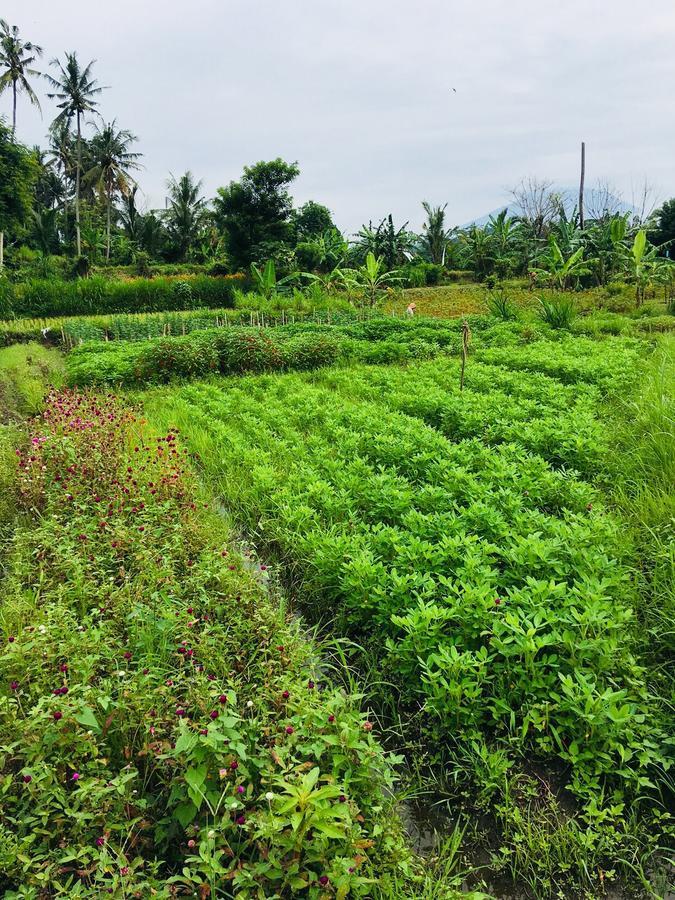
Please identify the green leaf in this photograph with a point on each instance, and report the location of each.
(87, 718)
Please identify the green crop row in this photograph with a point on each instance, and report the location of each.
(448, 534)
(163, 729)
(99, 295)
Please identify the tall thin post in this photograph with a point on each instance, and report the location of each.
(581, 184)
(466, 343)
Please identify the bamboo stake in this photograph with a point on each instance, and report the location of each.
(466, 343)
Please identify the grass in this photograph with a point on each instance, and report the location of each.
(25, 370)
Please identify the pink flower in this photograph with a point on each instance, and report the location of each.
(240, 789)
(27, 779)
(214, 713)
(100, 841)
(58, 715)
(289, 729)
(75, 776)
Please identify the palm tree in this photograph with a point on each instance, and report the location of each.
(436, 235)
(185, 213)
(17, 57)
(112, 161)
(75, 90)
(62, 150)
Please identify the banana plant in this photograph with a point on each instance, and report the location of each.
(561, 270)
(371, 279)
(266, 281)
(641, 264)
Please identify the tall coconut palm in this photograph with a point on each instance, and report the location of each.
(62, 150)
(17, 58)
(436, 235)
(75, 89)
(185, 213)
(112, 162)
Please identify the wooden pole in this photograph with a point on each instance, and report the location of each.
(581, 184)
(466, 342)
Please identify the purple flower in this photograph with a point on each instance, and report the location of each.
(100, 841)
(289, 729)
(214, 713)
(75, 776)
(240, 789)
(323, 881)
(58, 715)
(240, 820)
(14, 685)
(27, 779)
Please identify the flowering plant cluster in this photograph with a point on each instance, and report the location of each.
(163, 729)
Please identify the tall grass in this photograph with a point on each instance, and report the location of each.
(645, 489)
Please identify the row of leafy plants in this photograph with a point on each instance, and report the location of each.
(450, 536)
(99, 295)
(164, 730)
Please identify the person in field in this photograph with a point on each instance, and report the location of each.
(410, 311)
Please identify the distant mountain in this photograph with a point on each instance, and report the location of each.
(595, 201)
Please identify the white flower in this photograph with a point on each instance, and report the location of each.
(249, 704)
(121, 673)
(234, 804)
(211, 834)
(42, 629)
(269, 796)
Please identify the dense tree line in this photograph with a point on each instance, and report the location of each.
(75, 203)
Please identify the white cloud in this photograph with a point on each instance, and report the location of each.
(360, 93)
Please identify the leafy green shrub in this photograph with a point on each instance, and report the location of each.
(501, 306)
(558, 313)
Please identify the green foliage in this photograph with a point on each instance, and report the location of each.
(101, 295)
(312, 220)
(163, 729)
(454, 536)
(18, 174)
(558, 313)
(226, 351)
(185, 215)
(501, 306)
(255, 212)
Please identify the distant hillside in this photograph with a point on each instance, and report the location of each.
(595, 202)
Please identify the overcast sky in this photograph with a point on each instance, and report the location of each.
(359, 92)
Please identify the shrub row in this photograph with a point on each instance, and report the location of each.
(226, 351)
(88, 296)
